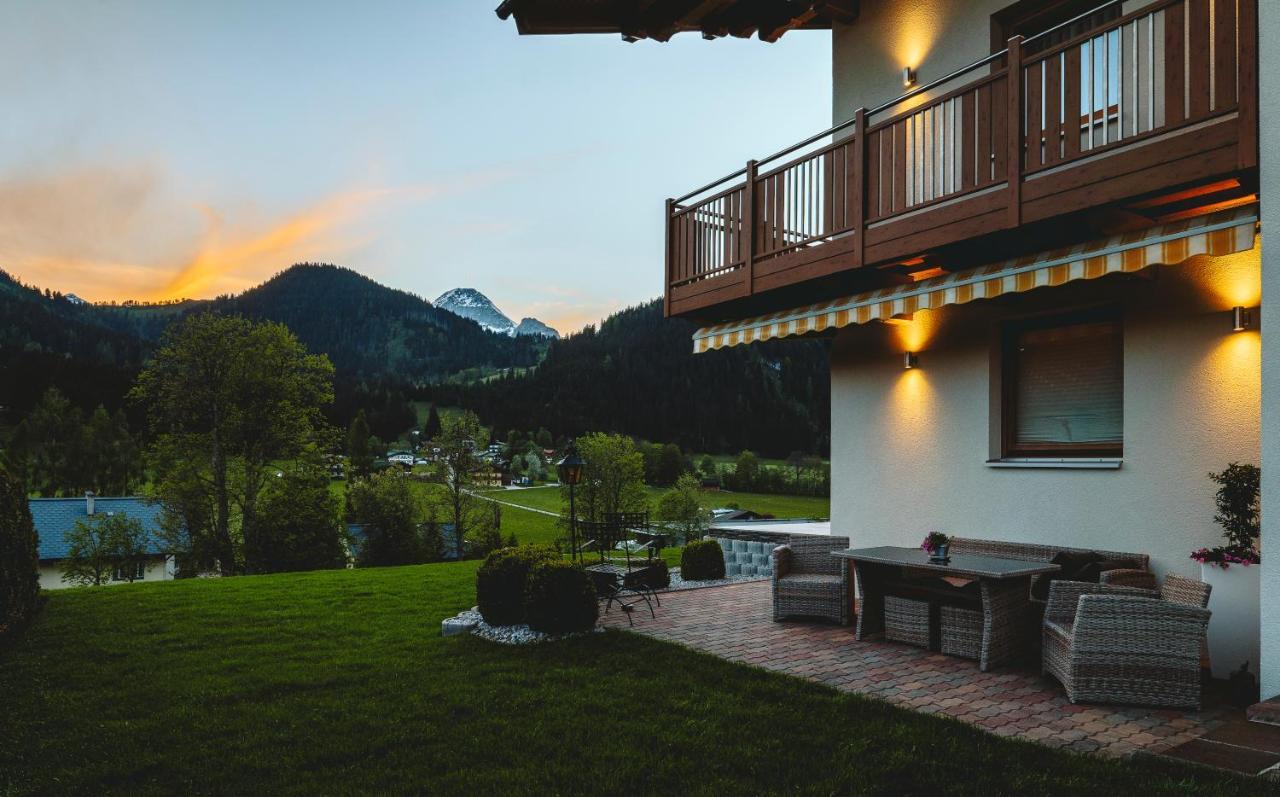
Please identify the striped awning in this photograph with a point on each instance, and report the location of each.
(1221, 233)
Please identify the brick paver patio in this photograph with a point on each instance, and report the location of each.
(735, 622)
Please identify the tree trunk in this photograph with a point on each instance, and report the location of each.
(222, 501)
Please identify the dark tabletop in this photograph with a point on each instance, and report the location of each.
(958, 565)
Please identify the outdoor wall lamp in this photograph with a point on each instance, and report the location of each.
(1241, 319)
(910, 360)
(908, 77)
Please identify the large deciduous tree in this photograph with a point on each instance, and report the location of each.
(389, 511)
(98, 548)
(612, 479)
(299, 523)
(459, 463)
(233, 395)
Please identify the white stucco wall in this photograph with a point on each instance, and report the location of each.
(909, 447)
(51, 574)
(1269, 96)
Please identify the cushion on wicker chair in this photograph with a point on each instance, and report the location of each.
(810, 580)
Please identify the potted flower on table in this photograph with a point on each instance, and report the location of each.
(936, 544)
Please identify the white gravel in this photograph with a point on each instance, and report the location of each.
(513, 634)
(678, 583)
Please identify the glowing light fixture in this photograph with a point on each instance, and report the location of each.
(910, 360)
(1240, 319)
(908, 77)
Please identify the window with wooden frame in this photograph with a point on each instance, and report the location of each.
(1031, 17)
(1063, 386)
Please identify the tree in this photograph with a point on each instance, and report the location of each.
(543, 438)
(612, 479)
(19, 556)
(99, 548)
(389, 511)
(746, 471)
(459, 463)
(47, 448)
(299, 527)
(681, 508)
(707, 466)
(796, 461)
(235, 396)
(670, 464)
(359, 454)
(432, 429)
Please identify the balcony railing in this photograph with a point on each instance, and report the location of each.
(1005, 141)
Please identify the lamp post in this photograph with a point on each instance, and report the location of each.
(569, 470)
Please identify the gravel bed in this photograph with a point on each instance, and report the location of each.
(513, 634)
(678, 583)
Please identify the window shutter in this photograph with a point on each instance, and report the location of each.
(1070, 389)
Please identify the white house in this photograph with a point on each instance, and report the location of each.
(55, 517)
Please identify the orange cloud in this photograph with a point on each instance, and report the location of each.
(115, 234)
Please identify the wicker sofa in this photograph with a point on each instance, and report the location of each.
(808, 581)
(1139, 575)
(1111, 644)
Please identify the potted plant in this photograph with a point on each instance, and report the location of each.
(937, 545)
(1232, 571)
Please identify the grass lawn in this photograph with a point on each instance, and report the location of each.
(339, 682)
(782, 506)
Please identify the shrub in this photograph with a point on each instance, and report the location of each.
(560, 597)
(657, 574)
(19, 557)
(500, 582)
(702, 561)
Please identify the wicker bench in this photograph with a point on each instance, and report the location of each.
(1138, 576)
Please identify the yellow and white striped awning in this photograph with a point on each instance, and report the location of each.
(1221, 233)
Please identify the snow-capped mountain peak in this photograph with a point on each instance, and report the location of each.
(471, 303)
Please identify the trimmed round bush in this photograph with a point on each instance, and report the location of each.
(500, 582)
(702, 561)
(657, 575)
(19, 556)
(559, 598)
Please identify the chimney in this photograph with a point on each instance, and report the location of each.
(88, 503)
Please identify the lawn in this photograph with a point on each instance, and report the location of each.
(339, 682)
(781, 506)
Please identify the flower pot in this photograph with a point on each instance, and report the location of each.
(939, 553)
(1233, 628)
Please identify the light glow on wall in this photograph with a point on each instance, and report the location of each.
(1238, 279)
(912, 334)
(913, 32)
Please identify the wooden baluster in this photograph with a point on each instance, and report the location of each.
(749, 231)
(1014, 137)
(1247, 64)
(858, 194)
(1198, 54)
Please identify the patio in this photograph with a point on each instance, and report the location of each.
(734, 622)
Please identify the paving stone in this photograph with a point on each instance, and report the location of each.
(735, 622)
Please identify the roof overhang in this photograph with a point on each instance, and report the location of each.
(661, 19)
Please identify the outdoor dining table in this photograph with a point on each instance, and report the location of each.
(1004, 592)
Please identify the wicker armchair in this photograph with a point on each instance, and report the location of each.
(808, 581)
(1109, 644)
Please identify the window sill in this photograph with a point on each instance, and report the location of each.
(1059, 463)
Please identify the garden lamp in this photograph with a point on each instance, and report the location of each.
(570, 471)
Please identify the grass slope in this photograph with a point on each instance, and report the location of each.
(339, 682)
(781, 506)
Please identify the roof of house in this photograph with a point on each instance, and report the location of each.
(54, 517)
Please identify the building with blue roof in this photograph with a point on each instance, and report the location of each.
(54, 518)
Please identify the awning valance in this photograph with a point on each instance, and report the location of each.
(1222, 233)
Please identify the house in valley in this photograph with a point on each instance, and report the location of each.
(1032, 238)
(54, 518)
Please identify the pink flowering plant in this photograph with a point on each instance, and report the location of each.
(1238, 514)
(933, 540)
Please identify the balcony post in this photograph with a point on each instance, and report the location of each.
(666, 259)
(749, 227)
(859, 214)
(1014, 135)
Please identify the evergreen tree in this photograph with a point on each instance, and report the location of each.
(359, 453)
(432, 430)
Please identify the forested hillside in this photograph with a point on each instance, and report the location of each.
(637, 374)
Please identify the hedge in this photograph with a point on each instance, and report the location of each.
(500, 582)
(702, 561)
(19, 556)
(560, 597)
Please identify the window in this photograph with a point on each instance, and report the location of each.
(121, 573)
(1063, 392)
(1037, 16)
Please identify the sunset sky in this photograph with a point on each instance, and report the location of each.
(156, 150)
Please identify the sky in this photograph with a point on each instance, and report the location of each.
(162, 150)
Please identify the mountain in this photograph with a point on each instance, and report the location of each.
(532, 326)
(637, 374)
(383, 342)
(471, 303)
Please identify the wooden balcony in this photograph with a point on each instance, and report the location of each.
(1149, 116)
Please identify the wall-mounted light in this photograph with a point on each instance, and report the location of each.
(1240, 319)
(910, 360)
(908, 77)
